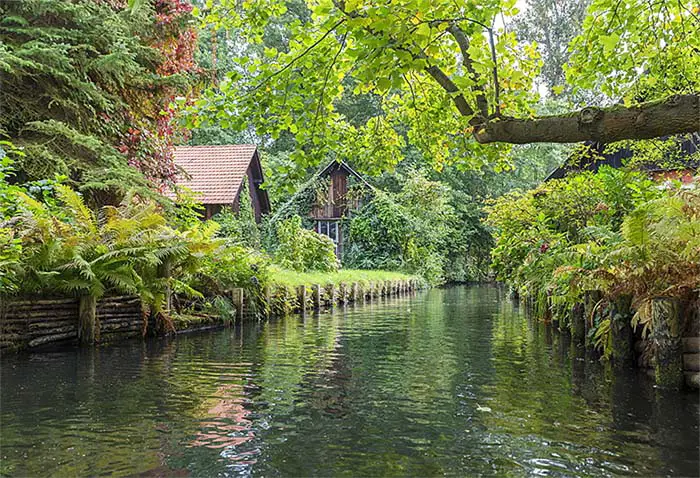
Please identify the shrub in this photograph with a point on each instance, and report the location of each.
(408, 231)
(240, 227)
(303, 250)
(60, 245)
(611, 231)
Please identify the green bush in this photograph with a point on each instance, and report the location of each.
(612, 231)
(303, 250)
(58, 245)
(408, 231)
(240, 227)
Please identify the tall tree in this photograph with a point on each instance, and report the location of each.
(551, 24)
(87, 86)
(455, 80)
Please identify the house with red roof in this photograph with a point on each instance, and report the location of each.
(217, 175)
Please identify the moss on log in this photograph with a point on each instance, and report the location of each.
(621, 330)
(666, 337)
(88, 328)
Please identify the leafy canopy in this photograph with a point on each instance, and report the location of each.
(441, 70)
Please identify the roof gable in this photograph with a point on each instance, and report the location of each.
(215, 172)
(342, 165)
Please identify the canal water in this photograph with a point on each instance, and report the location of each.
(448, 382)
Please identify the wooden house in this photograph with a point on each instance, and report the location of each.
(338, 201)
(593, 155)
(217, 173)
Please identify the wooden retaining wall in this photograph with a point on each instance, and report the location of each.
(35, 323)
(671, 352)
(32, 323)
(690, 349)
(281, 300)
(691, 359)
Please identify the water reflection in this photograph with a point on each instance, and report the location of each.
(454, 382)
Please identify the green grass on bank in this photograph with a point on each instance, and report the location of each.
(289, 278)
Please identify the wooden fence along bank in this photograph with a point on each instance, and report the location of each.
(29, 324)
(670, 353)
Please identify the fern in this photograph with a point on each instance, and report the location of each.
(603, 337)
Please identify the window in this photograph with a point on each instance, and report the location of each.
(330, 229)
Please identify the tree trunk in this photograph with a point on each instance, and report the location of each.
(621, 330)
(674, 115)
(666, 338)
(88, 327)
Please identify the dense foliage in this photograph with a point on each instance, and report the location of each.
(614, 231)
(240, 227)
(445, 77)
(52, 243)
(408, 92)
(87, 88)
(302, 250)
(405, 231)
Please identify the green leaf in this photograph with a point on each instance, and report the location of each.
(609, 42)
(423, 30)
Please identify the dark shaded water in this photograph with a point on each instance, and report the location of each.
(454, 382)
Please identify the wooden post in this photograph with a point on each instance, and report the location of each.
(370, 291)
(621, 330)
(333, 295)
(316, 292)
(354, 296)
(590, 302)
(666, 337)
(87, 323)
(578, 325)
(237, 299)
(301, 298)
(342, 293)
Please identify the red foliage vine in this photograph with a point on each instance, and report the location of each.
(148, 143)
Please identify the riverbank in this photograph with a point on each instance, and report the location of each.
(32, 323)
(662, 339)
(292, 292)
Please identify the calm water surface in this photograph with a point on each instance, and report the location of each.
(449, 382)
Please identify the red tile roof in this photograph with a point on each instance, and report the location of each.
(216, 172)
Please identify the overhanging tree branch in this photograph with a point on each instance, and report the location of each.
(463, 43)
(496, 85)
(675, 115)
(452, 89)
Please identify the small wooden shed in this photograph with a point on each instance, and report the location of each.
(338, 202)
(217, 174)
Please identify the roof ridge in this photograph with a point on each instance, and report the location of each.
(218, 145)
